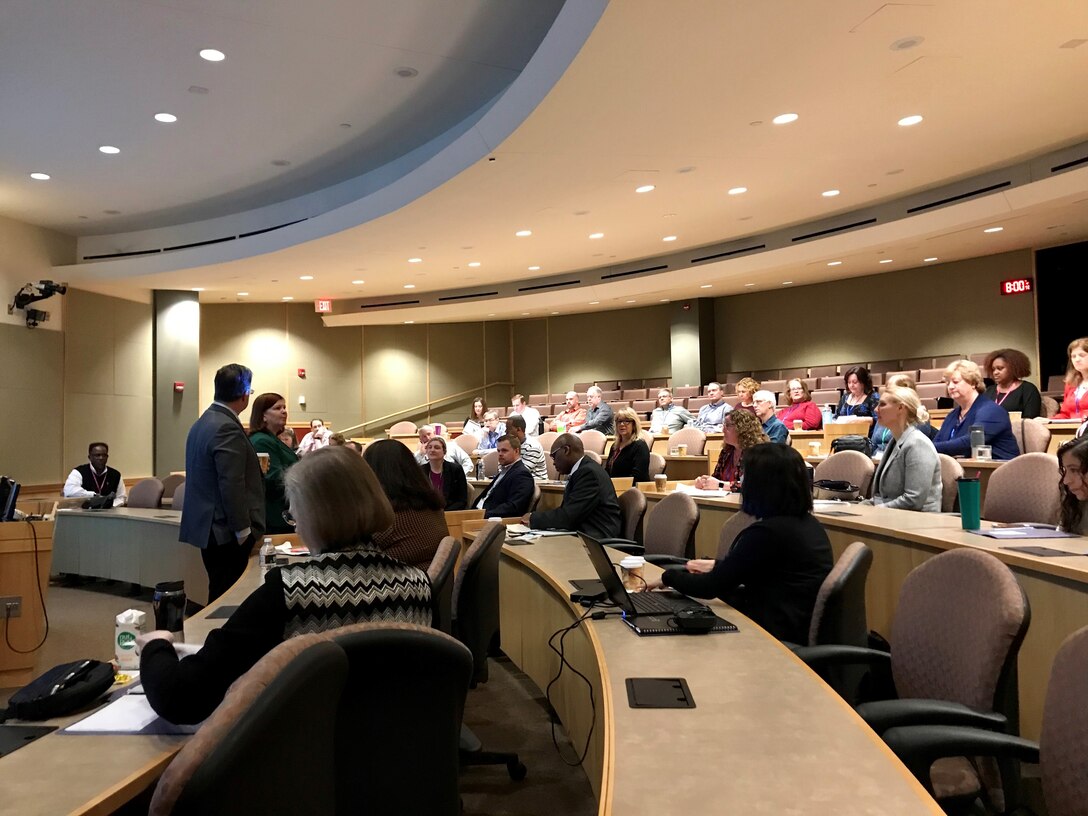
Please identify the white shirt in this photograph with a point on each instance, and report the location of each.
(73, 488)
(312, 442)
(532, 420)
(455, 454)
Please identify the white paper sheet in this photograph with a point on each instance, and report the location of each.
(130, 714)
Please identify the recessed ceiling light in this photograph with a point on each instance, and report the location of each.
(286, 297)
(408, 322)
(786, 283)
(197, 289)
(305, 277)
(415, 260)
(109, 149)
(907, 121)
(40, 176)
(904, 43)
(785, 118)
(706, 286)
(663, 300)
(596, 235)
(929, 260)
(554, 313)
(748, 284)
(525, 314)
(645, 188)
(243, 294)
(409, 286)
(357, 282)
(490, 314)
(594, 302)
(165, 117)
(737, 190)
(834, 263)
(829, 193)
(212, 55)
(630, 301)
(994, 229)
(523, 233)
(669, 238)
(474, 263)
(534, 268)
(887, 260)
(407, 72)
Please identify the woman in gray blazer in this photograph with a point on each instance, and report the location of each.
(909, 474)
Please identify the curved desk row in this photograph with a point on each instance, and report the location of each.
(1057, 588)
(766, 735)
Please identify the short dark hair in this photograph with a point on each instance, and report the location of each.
(261, 404)
(515, 443)
(94, 445)
(232, 382)
(862, 373)
(516, 421)
(775, 482)
(1016, 361)
(400, 477)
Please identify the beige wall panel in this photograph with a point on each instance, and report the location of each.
(626, 344)
(132, 369)
(31, 453)
(394, 368)
(31, 358)
(130, 426)
(529, 339)
(456, 356)
(333, 362)
(251, 334)
(953, 308)
(87, 419)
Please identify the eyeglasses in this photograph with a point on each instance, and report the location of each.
(287, 517)
(558, 450)
(625, 422)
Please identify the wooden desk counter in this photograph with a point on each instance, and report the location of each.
(26, 552)
(757, 741)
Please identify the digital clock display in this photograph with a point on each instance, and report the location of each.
(1016, 286)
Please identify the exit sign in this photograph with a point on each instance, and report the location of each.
(1016, 286)
(323, 305)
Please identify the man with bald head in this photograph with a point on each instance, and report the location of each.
(589, 499)
(572, 416)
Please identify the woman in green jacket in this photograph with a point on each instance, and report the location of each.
(266, 421)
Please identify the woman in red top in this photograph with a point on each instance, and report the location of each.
(1075, 399)
(800, 407)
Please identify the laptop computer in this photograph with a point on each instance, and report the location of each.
(647, 613)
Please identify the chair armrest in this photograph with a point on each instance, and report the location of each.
(624, 545)
(666, 561)
(885, 714)
(918, 747)
(836, 654)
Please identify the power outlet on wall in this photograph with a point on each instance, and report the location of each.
(11, 606)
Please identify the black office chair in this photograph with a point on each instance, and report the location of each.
(476, 624)
(440, 573)
(278, 714)
(399, 721)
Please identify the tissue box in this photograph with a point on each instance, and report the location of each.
(129, 625)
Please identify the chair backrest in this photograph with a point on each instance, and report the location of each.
(733, 527)
(170, 484)
(535, 500)
(596, 457)
(950, 471)
(1024, 489)
(178, 499)
(657, 464)
(440, 574)
(959, 623)
(1031, 436)
(646, 437)
(685, 391)
(476, 596)
(839, 613)
(398, 725)
(593, 441)
(634, 393)
(632, 509)
(288, 699)
(146, 493)
(670, 527)
(930, 375)
(491, 463)
(467, 442)
(1050, 406)
(852, 466)
(545, 440)
(692, 437)
(403, 427)
(643, 406)
(1062, 747)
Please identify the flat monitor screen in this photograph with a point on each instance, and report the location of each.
(9, 494)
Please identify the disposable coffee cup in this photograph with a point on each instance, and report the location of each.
(797, 423)
(984, 452)
(169, 605)
(264, 460)
(631, 569)
(661, 482)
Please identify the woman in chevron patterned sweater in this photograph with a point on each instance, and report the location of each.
(338, 504)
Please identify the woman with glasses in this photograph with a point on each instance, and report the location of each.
(800, 407)
(267, 420)
(628, 455)
(339, 506)
(740, 431)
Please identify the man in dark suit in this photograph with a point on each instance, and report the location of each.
(589, 499)
(224, 493)
(511, 491)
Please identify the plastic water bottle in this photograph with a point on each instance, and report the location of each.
(829, 415)
(480, 469)
(267, 556)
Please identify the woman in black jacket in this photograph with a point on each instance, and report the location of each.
(628, 455)
(448, 478)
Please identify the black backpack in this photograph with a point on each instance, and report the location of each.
(61, 690)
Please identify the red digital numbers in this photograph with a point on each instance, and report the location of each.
(1016, 286)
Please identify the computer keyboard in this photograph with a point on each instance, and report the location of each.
(652, 603)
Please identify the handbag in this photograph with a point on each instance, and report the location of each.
(61, 690)
(853, 442)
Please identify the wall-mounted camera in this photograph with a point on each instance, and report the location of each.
(32, 293)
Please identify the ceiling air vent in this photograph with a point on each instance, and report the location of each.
(833, 230)
(389, 305)
(960, 197)
(540, 286)
(728, 254)
(466, 297)
(121, 255)
(1069, 164)
(631, 272)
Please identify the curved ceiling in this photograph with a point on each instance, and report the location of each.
(682, 96)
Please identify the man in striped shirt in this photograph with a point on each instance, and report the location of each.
(531, 452)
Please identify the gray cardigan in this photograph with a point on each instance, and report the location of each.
(909, 474)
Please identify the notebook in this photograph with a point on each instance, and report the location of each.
(647, 613)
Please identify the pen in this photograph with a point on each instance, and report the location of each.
(70, 675)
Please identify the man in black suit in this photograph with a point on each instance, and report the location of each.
(511, 491)
(589, 499)
(224, 492)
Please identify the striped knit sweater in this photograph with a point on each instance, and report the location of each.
(353, 586)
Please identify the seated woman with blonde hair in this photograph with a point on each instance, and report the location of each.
(629, 455)
(909, 474)
(746, 390)
(972, 407)
(740, 431)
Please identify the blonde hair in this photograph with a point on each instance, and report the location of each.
(749, 385)
(908, 398)
(969, 372)
(906, 381)
(336, 499)
(1072, 376)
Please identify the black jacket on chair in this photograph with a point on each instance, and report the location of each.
(511, 495)
(589, 505)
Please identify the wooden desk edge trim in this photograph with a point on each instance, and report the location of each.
(127, 789)
(608, 758)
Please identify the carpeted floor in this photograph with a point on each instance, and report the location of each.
(506, 713)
